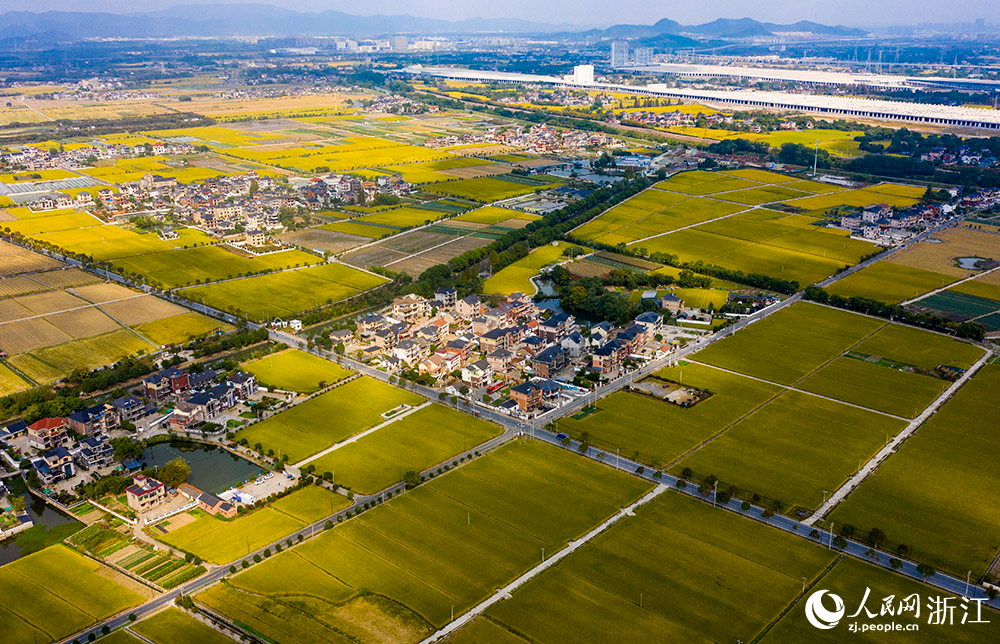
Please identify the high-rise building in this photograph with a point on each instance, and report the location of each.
(583, 74)
(399, 43)
(619, 53)
(643, 56)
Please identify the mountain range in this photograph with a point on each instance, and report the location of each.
(207, 20)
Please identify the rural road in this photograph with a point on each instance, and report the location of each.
(894, 444)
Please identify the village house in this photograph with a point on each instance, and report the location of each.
(410, 307)
(478, 374)
(527, 395)
(370, 323)
(408, 351)
(145, 493)
(651, 322)
(169, 381)
(94, 452)
(468, 307)
(186, 415)
(48, 433)
(99, 419)
(445, 297)
(55, 465)
(556, 327)
(550, 362)
(606, 359)
(214, 505)
(671, 303)
(500, 360)
(574, 343)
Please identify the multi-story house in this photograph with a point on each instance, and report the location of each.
(478, 374)
(145, 493)
(48, 433)
(94, 452)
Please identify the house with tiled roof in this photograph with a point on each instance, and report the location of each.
(47, 433)
(145, 493)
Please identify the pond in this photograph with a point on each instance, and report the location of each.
(49, 524)
(213, 469)
(969, 263)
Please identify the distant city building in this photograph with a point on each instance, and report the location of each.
(583, 74)
(619, 53)
(643, 56)
(399, 43)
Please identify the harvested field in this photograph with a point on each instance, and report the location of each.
(65, 278)
(145, 308)
(18, 285)
(939, 256)
(82, 323)
(26, 335)
(323, 240)
(15, 260)
(417, 264)
(100, 293)
(50, 302)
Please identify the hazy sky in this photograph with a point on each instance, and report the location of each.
(601, 12)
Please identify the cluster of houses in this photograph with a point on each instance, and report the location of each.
(33, 157)
(679, 118)
(333, 189)
(196, 398)
(981, 199)
(886, 226)
(494, 347)
(199, 397)
(55, 438)
(540, 139)
(965, 155)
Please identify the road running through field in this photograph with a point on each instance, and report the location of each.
(357, 437)
(948, 286)
(573, 546)
(890, 447)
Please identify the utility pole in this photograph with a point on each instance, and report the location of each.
(830, 546)
(815, 158)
